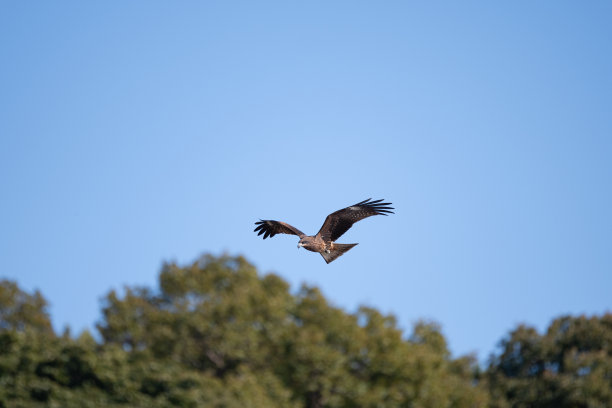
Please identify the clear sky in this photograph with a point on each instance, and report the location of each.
(133, 133)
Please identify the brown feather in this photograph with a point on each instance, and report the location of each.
(336, 251)
(337, 223)
(270, 228)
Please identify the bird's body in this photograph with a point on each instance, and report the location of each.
(315, 244)
(336, 224)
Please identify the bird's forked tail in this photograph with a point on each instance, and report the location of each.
(336, 251)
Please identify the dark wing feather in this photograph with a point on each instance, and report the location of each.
(270, 228)
(337, 223)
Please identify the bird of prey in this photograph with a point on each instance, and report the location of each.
(336, 224)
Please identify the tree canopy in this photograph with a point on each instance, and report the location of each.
(568, 366)
(216, 333)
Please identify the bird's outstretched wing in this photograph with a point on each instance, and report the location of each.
(337, 223)
(270, 228)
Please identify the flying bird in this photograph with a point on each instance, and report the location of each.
(336, 224)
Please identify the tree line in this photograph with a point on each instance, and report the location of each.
(216, 333)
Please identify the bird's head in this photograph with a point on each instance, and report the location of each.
(304, 241)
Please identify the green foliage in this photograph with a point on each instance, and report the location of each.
(569, 366)
(218, 317)
(217, 334)
(20, 311)
(215, 316)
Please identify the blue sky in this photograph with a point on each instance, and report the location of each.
(142, 132)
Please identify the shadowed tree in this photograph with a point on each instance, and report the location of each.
(569, 366)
